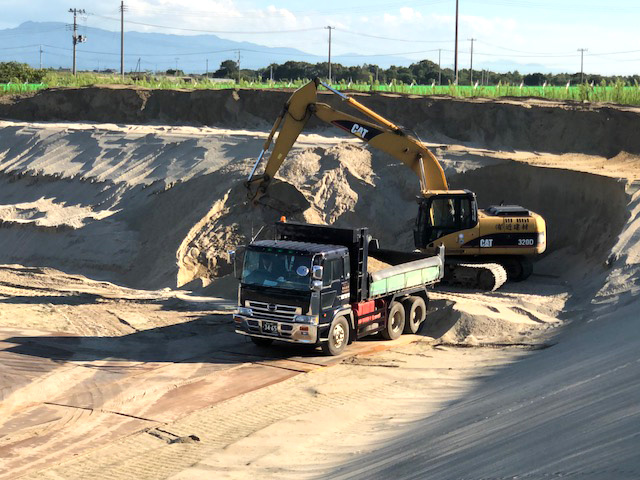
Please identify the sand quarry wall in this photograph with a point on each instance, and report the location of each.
(158, 207)
(533, 125)
(153, 209)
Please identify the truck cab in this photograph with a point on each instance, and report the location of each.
(291, 290)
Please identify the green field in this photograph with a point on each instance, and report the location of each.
(617, 92)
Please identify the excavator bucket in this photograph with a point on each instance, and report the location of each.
(293, 118)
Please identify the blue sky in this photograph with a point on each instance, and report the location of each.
(542, 32)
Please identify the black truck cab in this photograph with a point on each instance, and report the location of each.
(291, 290)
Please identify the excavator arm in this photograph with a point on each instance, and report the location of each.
(381, 134)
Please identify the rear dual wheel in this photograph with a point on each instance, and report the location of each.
(415, 313)
(395, 322)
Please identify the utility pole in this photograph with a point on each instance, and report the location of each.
(76, 38)
(439, 67)
(329, 28)
(238, 67)
(582, 50)
(176, 74)
(471, 77)
(122, 10)
(41, 57)
(455, 60)
(206, 70)
(271, 72)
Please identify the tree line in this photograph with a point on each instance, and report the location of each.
(424, 72)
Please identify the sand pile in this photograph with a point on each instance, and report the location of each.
(328, 185)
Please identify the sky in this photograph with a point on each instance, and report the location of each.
(542, 32)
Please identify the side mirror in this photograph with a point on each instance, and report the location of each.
(316, 285)
(316, 272)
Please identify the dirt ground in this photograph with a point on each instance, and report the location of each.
(118, 358)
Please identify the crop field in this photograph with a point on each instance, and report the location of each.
(615, 92)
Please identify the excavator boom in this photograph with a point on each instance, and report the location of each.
(381, 134)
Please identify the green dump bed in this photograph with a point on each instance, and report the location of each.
(406, 276)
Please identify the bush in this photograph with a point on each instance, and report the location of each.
(14, 72)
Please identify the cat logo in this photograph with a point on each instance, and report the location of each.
(486, 242)
(359, 131)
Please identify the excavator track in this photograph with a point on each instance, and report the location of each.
(482, 276)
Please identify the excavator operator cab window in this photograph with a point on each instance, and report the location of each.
(442, 215)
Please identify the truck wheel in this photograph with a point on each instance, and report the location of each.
(338, 337)
(261, 342)
(415, 313)
(395, 322)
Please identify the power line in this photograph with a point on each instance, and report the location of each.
(278, 14)
(390, 38)
(243, 32)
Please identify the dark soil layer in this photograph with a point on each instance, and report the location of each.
(519, 124)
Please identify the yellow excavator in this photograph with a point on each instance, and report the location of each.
(484, 248)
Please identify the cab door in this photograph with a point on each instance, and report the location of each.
(333, 278)
(449, 220)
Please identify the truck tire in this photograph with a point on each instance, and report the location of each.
(415, 313)
(338, 337)
(395, 322)
(262, 342)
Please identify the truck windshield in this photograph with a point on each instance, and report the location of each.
(277, 269)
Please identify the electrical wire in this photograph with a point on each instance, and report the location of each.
(252, 32)
(360, 34)
(307, 13)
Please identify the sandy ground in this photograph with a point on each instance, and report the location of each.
(110, 371)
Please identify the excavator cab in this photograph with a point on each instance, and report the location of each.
(443, 213)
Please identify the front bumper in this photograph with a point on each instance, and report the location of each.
(287, 331)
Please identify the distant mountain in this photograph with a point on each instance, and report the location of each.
(150, 51)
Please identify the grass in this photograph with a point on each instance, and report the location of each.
(21, 87)
(615, 92)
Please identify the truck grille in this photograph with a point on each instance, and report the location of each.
(272, 311)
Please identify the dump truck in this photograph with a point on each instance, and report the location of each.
(313, 284)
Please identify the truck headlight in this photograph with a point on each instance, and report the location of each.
(310, 319)
(247, 312)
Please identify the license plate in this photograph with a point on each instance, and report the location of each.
(270, 327)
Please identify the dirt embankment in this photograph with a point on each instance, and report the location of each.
(519, 124)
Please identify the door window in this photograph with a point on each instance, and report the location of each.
(449, 214)
(333, 271)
